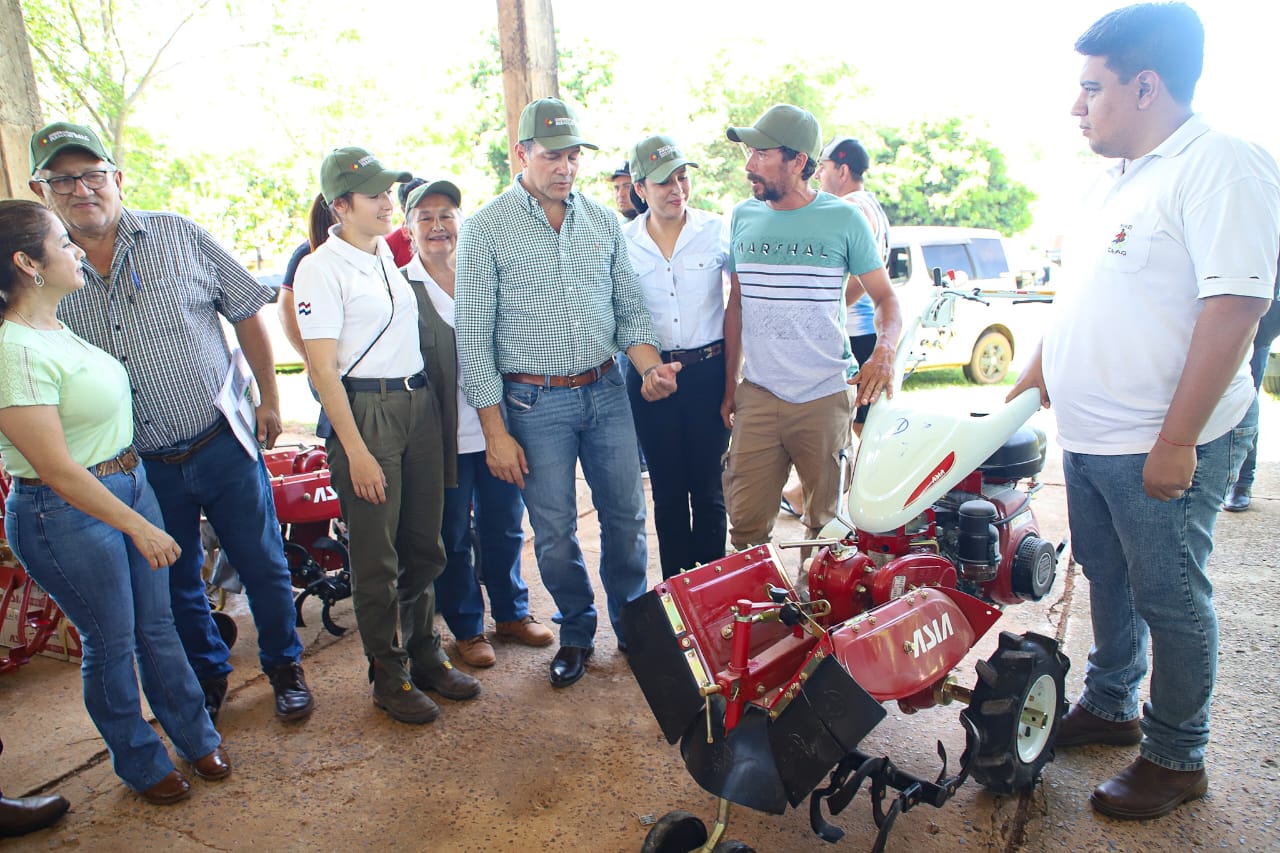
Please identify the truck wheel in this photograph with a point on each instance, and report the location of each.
(675, 832)
(1017, 707)
(990, 360)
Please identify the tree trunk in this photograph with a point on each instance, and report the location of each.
(527, 37)
(19, 103)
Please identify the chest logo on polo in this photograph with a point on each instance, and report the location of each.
(1117, 246)
(304, 309)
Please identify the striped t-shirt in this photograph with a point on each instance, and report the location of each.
(792, 266)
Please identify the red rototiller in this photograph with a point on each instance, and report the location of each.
(770, 689)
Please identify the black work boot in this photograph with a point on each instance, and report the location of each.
(215, 692)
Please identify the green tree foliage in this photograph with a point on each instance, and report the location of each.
(585, 75)
(942, 174)
(99, 59)
(731, 98)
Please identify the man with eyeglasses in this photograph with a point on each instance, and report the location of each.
(155, 284)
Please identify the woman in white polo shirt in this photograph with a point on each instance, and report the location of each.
(359, 322)
(679, 254)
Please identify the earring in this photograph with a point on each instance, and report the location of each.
(38, 279)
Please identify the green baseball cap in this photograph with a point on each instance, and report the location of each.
(553, 124)
(51, 140)
(354, 170)
(655, 158)
(444, 188)
(782, 126)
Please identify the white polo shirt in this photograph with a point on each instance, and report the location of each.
(685, 295)
(1197, 217)
(349, 295)
(470, 435)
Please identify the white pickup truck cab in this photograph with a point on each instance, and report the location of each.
(980, 339)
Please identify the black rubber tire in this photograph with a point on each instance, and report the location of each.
(675, 832)
(227, 628)
(990, 360)
(1024, 676)
(732, 846)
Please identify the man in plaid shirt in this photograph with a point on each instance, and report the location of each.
(546, 297)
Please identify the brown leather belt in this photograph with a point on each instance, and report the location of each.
(126, 460)
(575, 381)
(693, 356)
(196, 446)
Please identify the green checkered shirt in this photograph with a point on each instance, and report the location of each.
(530, 300)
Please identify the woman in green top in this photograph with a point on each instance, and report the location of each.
(81, 518)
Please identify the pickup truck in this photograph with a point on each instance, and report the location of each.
(980, 339)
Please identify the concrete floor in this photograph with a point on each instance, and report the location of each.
(525, 767)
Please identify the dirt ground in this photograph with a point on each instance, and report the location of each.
(526, 767)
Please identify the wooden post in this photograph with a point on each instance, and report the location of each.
(19, 103)
(527, 38)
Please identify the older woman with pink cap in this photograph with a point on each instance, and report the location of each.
(679, 254)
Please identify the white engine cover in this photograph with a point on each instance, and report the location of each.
(909, 458)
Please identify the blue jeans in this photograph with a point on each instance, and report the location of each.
(1145, 561)
(235, 495)
(1268, 330)
(557, 427)
(498, 512)
(120, 606)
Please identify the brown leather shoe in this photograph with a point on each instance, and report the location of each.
(214, 766)
(169, 790)
(477, 652)
(1144, 790)
(528, 631)
(21, 815)
(1080, 727)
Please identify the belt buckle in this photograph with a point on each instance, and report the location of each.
(405, 383)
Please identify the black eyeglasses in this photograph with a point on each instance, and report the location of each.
(95, 179)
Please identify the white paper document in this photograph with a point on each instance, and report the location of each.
(238, 401)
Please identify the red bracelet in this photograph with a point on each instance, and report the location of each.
(1160, 436)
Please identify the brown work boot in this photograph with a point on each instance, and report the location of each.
(402, 700)
(447, 681)
(528, 630)
(1144, 790)
(477, 651)
(1080, 727)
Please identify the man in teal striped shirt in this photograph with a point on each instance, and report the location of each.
(798, 257)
